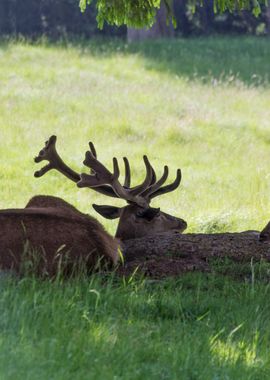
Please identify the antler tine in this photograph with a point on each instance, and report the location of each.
(154, 177)
(93, 149)
(49, 153)
(101, 175)
(97, 167)
(168, 188)
(94, 153)
(91, 162)
(153, 188)
(127, 172)
(128, 176)
(103, 189)
(148, 178)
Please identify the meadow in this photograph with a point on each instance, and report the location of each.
(199, 104)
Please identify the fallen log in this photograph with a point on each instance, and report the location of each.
(173, 253)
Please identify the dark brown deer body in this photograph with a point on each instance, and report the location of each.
(44, 240)
(137, 219)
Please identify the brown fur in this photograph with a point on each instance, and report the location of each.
(45, 201)
(132, 227)
(50, 233)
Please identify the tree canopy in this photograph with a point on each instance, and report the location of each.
(142, 13)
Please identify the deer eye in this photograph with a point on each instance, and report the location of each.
(148, 214)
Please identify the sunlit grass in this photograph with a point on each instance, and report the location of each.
(231, 353)
(202, 105)
(217, 132)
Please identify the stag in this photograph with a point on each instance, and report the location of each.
(137, 218)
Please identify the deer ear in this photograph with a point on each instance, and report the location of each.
(108, 212)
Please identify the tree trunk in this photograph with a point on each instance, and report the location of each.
(183, 23)
(268, 20)
(158, 30)
(173, 253)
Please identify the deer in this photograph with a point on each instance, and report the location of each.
(136, 219)
(50, 235)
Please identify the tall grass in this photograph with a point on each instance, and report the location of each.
(202, 105)
(197, 327)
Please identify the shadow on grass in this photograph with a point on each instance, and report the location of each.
(219, 59)
(194, 327)
(215, 60)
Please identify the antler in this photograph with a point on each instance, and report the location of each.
(141, 194)
(105, 182)
(135, 190)
(102, 176)
(50, 154)
(165, 189)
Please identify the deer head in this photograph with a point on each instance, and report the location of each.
(136, 219)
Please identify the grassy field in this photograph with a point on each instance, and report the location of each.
(202, 105)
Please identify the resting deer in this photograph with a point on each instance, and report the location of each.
(137, 219)
(50, 233)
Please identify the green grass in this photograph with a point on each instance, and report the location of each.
(199, 104)
(124, 100)
(198, 327)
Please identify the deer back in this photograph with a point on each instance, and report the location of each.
(46, 239)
